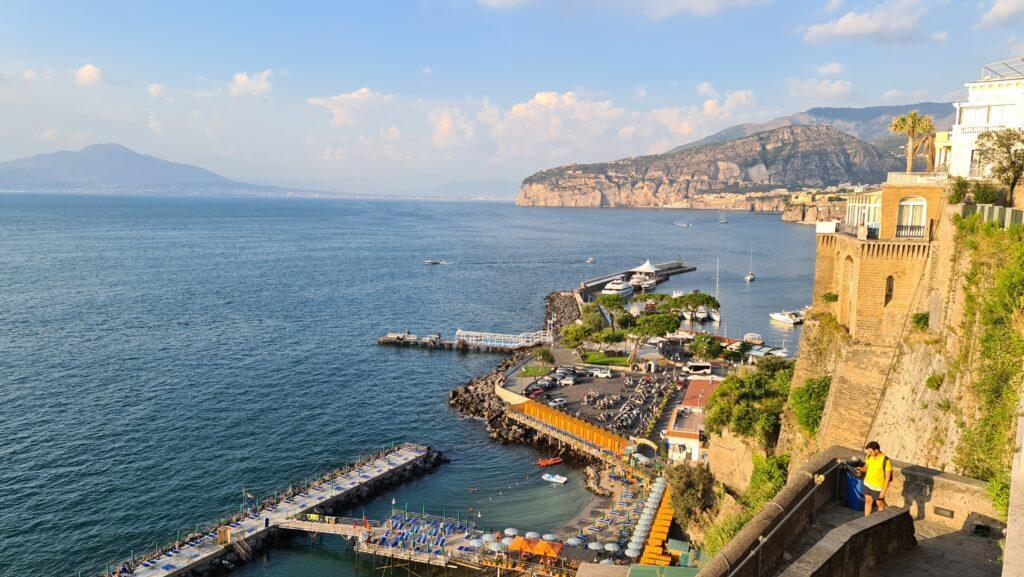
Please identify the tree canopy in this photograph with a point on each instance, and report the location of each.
(750, 404)
(693, 490)
(913, 124)
(655, 325)
(693, 300)
(1003, 151)
(705, 347)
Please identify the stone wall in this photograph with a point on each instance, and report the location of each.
(854, 396)
(852, 549)
(732, 460)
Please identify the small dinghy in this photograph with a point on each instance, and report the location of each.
(548, 461)
(557, 479)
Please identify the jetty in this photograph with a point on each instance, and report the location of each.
(664, 271)
(470, 341)
(239, 538)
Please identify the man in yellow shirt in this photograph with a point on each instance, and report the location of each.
(877, 471)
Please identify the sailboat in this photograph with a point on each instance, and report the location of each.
(751, 277)
(721, 218)
(715, 315)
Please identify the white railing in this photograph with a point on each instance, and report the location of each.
(916, 178)
(504, 340)
(976, 129)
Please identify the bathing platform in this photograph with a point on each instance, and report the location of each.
(469, 341)
(665, 270)
(243, 534)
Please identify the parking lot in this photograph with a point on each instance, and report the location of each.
(622, 403)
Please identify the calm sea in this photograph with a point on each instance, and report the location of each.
(159, 355)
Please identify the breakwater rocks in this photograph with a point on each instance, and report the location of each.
(477, 399)
(594, 484)
(561, 310)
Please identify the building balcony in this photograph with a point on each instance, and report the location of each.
(869, 231)
(910, 231)
(978, 171)
(975, 130)
(917, 178)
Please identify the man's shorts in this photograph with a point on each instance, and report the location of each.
(869, 492)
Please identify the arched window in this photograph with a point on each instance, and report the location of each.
(888, 289)
(910, 220)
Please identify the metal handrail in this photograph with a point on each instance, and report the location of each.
(762, 539)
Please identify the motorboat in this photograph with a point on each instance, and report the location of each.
(645, 276)
(556, 479)
(715, 315)
(590, 260)
(683, 224)
(618, 286)
(753, 338)
(688, 314)
(548, 461)
(645, 284)
(431, 262)
(788, 317)
(701, 314)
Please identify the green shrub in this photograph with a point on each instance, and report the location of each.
(609, 336)
(750, 404)
(719, 533)
(544, 355)
(999, 490)
(944, 405)
(808, 402)
(985, 192)
(705, 347)
(933, 382)
(958, 190)
(920, 321)
(830, 297)
(573, 335)
(768, 478)
(693, 490)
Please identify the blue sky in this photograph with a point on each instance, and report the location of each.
(461, 95)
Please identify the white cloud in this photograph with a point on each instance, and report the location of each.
(29, 75)
(501, 3)
(818, 89)
(154, 124)
(940, 36)
(890, 21)
(88, 74)
(706, 90)
(737, 100)
(49, 134)
(155, 90)
(1002, 12)
(391, 133)
(833, 5)
(426, 71)
(344, 106)
(450, 127)
(257, 85)
(892, 94)
(640, 92)
(831, 68)
(662, 9)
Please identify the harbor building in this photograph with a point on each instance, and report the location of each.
(684, 436)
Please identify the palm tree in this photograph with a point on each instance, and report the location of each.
(913, 124)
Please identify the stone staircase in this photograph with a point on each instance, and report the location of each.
(855, 393)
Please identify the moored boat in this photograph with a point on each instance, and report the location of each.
(788, 317)
(701, 314)
(551, 478)
(618, 286)
(548, 461)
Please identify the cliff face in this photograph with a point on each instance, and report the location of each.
(817, 212)
(788, 156)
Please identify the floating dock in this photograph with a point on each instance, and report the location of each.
(469, 341)
(665, 271)
(242, 536)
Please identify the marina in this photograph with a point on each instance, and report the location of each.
(646, 273)
(469, 341)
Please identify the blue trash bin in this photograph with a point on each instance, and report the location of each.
(853, 491)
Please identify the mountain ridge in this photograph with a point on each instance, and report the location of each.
(797, 155)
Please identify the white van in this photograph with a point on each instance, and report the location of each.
(602, 373)
(698, 368)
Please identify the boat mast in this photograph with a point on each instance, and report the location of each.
(716, 277)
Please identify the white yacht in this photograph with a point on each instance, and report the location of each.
(701, 314)
(590, 260)
(618, 286)
(788, 317)
(751, 277)
(688, 314)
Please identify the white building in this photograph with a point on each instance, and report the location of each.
(995, 101)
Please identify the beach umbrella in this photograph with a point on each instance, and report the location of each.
(594, 546)
(496, 547)
(507, 541)
(488, 538)
(532, 535)
(611, 547)
(475, 543)
(632, 552)
(607, 562)
(511, 532)
(550, 537)
(573, 542)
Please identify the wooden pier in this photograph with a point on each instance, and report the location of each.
(240, 536)
(469, 341)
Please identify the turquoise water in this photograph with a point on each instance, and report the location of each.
(158, 355)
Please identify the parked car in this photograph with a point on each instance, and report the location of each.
(601, 373)
(556, 403)
(536, 393)
(567, 381)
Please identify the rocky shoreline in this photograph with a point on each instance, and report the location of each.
(561, 309)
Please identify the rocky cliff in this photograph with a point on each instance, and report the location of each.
(811, 213)
(791, 156)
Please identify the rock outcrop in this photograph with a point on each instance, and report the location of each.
(820, 211)
(792, 156)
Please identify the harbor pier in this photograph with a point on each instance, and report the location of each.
(238, 539)
(470, 341)
(593, 286)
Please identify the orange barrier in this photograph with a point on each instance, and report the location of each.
(571, 425)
